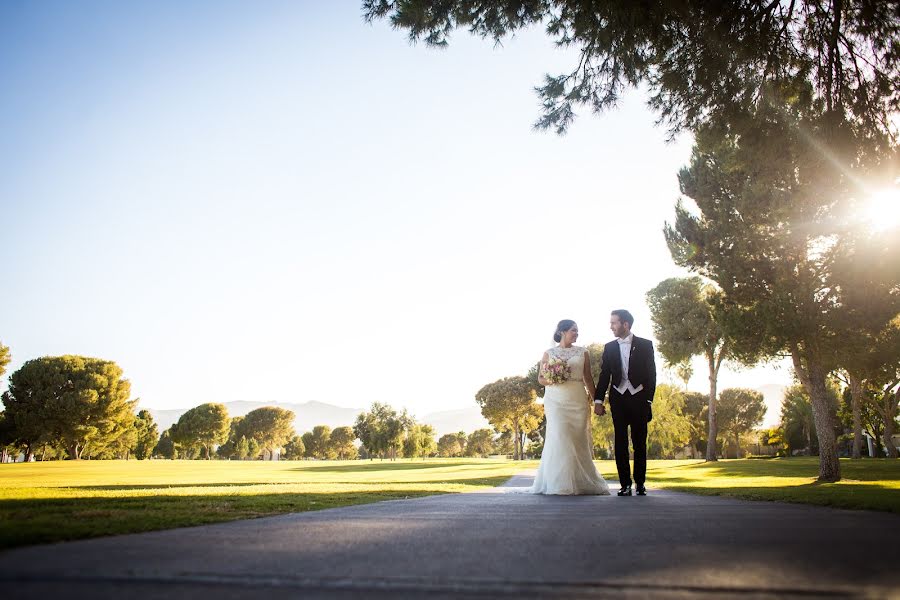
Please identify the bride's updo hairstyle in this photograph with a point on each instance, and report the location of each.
(562, 327)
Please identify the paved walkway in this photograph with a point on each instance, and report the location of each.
(497, 543)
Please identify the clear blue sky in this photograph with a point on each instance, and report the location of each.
(276, 201)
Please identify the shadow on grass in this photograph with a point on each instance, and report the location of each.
(114, 488)
(850, 495)
(161, 486)
(804, 467)
(42, 520)
(363, 467)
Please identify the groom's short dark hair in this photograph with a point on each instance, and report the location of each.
(624, 316)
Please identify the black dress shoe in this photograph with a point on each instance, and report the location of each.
(641, 490)
(625, 491)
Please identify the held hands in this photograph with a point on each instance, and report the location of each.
(600, 409)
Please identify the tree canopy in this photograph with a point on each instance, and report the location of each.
(670, 429)
(448, 446)
(480, 443)
(509, 405)
(382, 430)
(270, 426)
(294, 449)
(689, 319)
(73, 400)
(147, 435)
(165, 447)
(318, 442)
(741, 410)
(701, 61)
(206, 425)
(5, 357)
(341, 442)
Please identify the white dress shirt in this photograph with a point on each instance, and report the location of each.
(625, 351)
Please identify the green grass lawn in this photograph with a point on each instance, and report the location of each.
(54, 501)
(871, 484)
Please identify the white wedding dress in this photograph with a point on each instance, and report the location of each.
(567, 466)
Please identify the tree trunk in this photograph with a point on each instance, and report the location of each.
(75, 452)
(890, 412)
(737, 445)
(812, 375)
(713, 424)
(521, 445)
(856, 400)
(516, 454)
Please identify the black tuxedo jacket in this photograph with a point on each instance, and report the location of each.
(641, 368)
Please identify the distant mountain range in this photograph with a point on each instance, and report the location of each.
(310, 414)
(452, 421)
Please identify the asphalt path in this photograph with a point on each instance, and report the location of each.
(493, 544)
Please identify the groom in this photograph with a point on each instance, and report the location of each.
(628, 362)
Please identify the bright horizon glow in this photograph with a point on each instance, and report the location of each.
(882, 209)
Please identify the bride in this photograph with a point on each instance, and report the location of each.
(566, 465)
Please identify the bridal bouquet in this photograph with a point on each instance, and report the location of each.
(556, 370)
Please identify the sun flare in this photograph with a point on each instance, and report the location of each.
(882, 211)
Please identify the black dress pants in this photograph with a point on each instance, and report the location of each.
(630, 411)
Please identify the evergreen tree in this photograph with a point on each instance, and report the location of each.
(253, 449)
(74, 400)
(509, 405)
(293, 450)
(688, 320)
(147, 435)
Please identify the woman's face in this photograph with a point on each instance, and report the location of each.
(569, 337)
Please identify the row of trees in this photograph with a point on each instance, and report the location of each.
(479, 443)
(510, 404)
(385, 433)
(78, 407)
(323, 443)
(208, 429)
(797, 434)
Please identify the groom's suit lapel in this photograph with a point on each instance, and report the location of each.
(616, 360)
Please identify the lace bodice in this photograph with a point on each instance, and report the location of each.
(574, 357)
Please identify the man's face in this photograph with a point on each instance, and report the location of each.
(618, 328)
